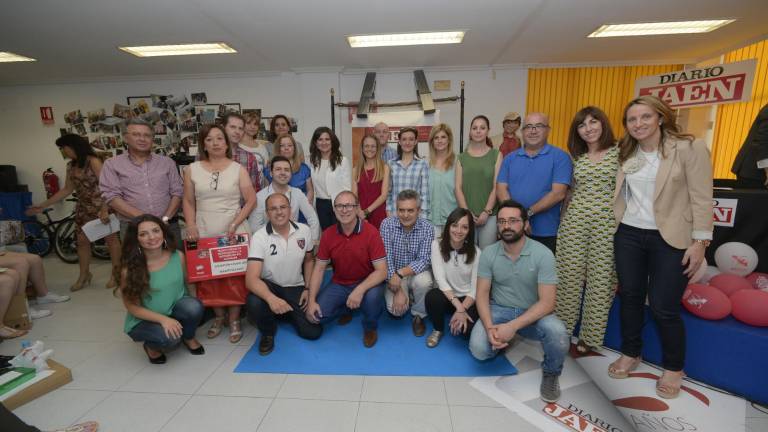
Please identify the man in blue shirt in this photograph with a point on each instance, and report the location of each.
(381, 132)
(537, 176)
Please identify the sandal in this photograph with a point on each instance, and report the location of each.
(235, 333)
(617, 373)
(215, 330)
(11, 333)
(668, 391)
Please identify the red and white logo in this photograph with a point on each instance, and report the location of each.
(724, 211)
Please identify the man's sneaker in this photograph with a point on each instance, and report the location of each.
(51, 297)
(37, 314)
(550, 388)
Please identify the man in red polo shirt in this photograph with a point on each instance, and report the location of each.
(359, 270)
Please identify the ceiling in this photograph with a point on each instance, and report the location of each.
(76, 40)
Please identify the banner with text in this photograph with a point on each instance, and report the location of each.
(394, 120)
(709, 85)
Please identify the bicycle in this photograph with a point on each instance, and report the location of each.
(58, 235)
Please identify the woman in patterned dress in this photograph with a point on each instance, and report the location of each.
(83, 179)
(585, 265)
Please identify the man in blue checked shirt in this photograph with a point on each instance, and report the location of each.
(407, 240)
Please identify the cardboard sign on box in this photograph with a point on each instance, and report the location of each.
(17, 316)
(216, 257)
(61, 376)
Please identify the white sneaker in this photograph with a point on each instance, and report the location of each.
(37, 314)
(51, 297)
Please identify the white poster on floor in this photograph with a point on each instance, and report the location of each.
(591, 401)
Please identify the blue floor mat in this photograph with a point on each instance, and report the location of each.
(340, 351)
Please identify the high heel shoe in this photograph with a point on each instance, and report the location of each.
(111, 283)
(194, 351)
(616, 373)
(81, 283)
(161, 359)
(668, 391)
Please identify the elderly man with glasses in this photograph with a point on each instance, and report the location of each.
(354, 248)
(537, 176)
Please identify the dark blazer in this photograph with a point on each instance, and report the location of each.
(754, 149)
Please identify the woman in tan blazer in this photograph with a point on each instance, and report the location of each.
(663, 204)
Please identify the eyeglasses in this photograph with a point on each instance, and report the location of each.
(510, 221)
(341, 207)
(215, 180)
(532, 127)
(278, 208)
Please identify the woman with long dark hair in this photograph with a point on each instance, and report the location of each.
(476, 172)
(83, 172)
(663, 203)
(331, 173)
(585, 266)
(455, 260)
(160, 311)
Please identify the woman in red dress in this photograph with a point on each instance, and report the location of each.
(370, 182)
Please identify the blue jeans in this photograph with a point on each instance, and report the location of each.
(549, 330)
(187, 311)
(333, 302)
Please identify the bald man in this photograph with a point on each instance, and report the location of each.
(381, 132)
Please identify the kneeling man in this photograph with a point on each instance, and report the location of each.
(516, 284)
(279, 252)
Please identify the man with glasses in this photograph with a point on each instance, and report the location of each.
(354, 248)
(516, 286)
(537, 176)
(408, 241)
(278, 254)
(280, 167)
(139, 182)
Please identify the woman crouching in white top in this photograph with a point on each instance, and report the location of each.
(455, 260)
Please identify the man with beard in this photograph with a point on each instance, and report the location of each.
(516, 285)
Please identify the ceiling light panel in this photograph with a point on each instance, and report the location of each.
(659, 28)
(404, 39)
(183, 49)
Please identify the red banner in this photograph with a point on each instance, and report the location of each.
(216, 257)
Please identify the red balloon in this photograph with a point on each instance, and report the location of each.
(706, 302)
(751, 307)
(729, 283)
(758, 280)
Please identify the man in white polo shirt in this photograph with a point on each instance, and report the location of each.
(278, 254)
(280, 167)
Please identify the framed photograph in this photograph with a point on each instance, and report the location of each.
(206, 114)
(122, 111)
(199, 98)
(228, 107)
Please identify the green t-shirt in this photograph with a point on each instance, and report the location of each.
(516, 283)
(166, 287)
(477, 179)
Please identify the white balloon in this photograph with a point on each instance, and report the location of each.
(709, 273)
(700, 273)
(736, 258)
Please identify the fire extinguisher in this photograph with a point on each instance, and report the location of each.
(51, 182)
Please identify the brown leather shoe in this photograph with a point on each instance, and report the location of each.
(370, 337)
(266, 344)
(345, 319)
(418, 327)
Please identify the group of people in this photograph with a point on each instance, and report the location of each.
(513, 234)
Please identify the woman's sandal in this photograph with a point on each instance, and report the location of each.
(668, 391)
(235, 333)
(215, 330)
(617, 373)
(11, 333)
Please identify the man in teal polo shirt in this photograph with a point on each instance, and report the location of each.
(537, 176)
(516, 284)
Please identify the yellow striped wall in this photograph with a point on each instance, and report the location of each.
(561, 92)
(734, 119)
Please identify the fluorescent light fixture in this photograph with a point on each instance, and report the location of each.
(184, 49)
(402, 39)
(7, 57)
(659, 28)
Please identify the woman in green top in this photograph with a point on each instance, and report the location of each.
(476, 172)
(160, 311)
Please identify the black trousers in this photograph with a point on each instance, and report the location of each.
(11, 423)
(266, 320)
(438, 306)
(325, 212)
(549, 242)
(647, 265)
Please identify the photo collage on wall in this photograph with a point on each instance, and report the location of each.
(174, 119)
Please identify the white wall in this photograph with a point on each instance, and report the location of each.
(29, 145)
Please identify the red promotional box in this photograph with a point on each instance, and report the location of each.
(216, 257)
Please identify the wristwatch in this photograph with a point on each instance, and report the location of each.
(704, 243)
(366, 212)
(397, 272)
(530, 212)
(489, 211)
(166, 219)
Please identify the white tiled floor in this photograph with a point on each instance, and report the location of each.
(115, 385)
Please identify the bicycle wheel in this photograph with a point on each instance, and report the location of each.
(99, 249)
(37, 238)
(65, 244)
